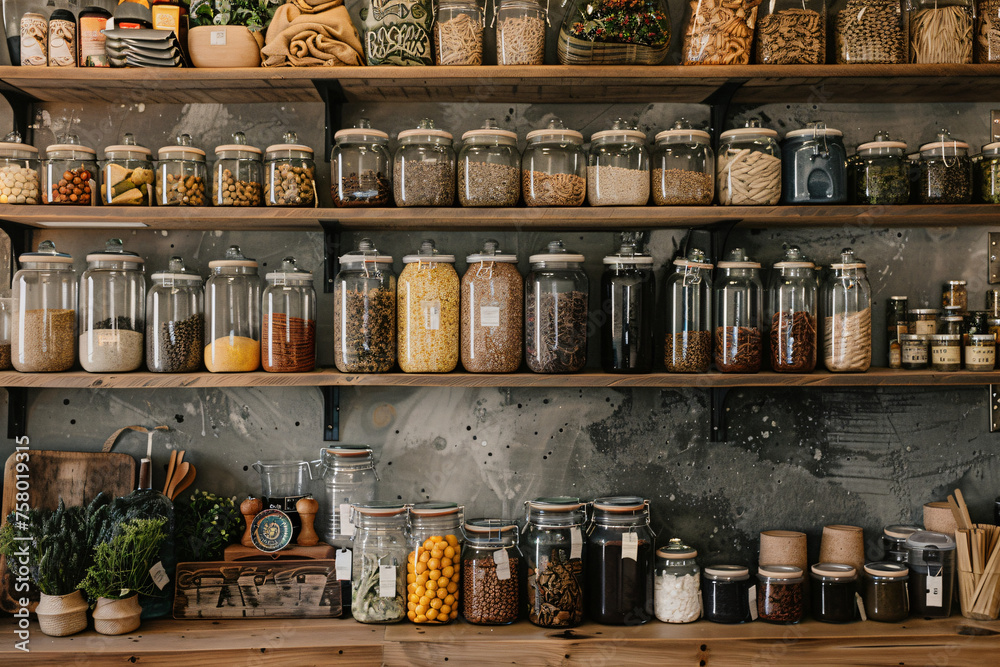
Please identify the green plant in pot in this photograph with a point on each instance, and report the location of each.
(229, 33)
(205, 525)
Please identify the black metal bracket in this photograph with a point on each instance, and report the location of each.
(23, 108)
(720, 101)
(719, 432)
(331, 253)
(17, 412)
(333, 99)
(331, 413)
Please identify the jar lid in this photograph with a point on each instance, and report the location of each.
(928, 539)
(992, 148)
(925, 311)
(982, 338)
(682, 130)
(943, 142)
(557, 252)
(728, 572)
(346, 454)
(620, 129)
(490, 526)
(944, 338)
(490, 129)
(178, 273)
(433, 508)
(362, 129)
(834, 570)
(914, 337)
(901, 531)
(779, 571)
(887, 569)
(366, 252)
(555, 129)
(239, 144)
(751, 128)
(428, 253)
(114, 251)
(957, 282)
(899, 298)
(794, 259)
(629, 254)
(814, 130)
(12, 142)
(289, 139)
(490, 253)
(380, 508)
(183, 150)
(695, 259)
(882, 141)
(69, 143)
(425, 128)
(128, 145)
(46, 253)
(676, 550)
(555, 504)
(738, 259)
(620, 504)
(848, 261)
(953, 318)
(289, 272)
(234, 257)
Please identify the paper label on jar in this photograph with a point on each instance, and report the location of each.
(630, 546)
(895, 357)
(980, 355)
(914, 353)
(387, 581)
(108, 337)
(503, 564)
(861, 606)
(575, 542)
(346, 527)
(432, 314)
(489, 316)
(935, 598)
(159, 575)
(217, 38)
(344, 564)
(946, 354)
(925, 327)
(752, 600)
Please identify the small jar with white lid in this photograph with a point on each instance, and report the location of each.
(238, 174)
(748, 166)
(677, 583)
(427, 309)
(175, 320)
(489, 167)
(361, 167)
(946, 352)
(554, 167)
(127, 175)
(181, 174)
(834, 587)
(683, 167)
(423, 168)
(980, 352)
(18, 171)
(290, 173)
(815, 166)
(618, 167)
(988, 173)
(725, 591)
(945, 171)
(881, 172)
(70, 172)
(288, 328)
(112, 310)
(780, 594)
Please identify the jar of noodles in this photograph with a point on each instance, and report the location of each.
(458, 33)
(427, 312)
(492, 294)
(847, 322)
(521, 32)
(554, 167)
(748, 167)
(941, 31)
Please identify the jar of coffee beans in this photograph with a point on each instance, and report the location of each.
(288, 330)
(792, 308)
(945, 171)
(238, 174)
(423, 168)
(618, 167)
(492, 564)
(492, 311)
(683, 167)
(688, 341)
(44, 322)
(127, 175)
(181, 175)
(361, 167)
(364, 311)
(738, 315)
(489, 167)
(554, 167)
(112, 310)
(70, 173)
(18, 171)
(556, 311)
(290, 171)
(175, 320)
(881, 173)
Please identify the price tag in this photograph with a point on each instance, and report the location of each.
(489, 316)
(432, 315)
(630, 546)
(217, 38)
(343, 564)
(346, 527)
(575, 542)
(503, 564)
(861, 606)
(387, 581)
(934, 595)
(752, 599)
(159, 575)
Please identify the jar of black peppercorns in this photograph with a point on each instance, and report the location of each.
(780, 594)
(491, 566)
(175, 320)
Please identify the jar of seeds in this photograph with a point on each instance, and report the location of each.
(181, 174)
(521, 32)
(489, 166)
(553, 549)
(792, 32)
(718, 32)
(941, 31)
(492, 565)
(458, 33)
(847, 322)
(869, 31)
(364, 312)
(127, 175)
(815, 166)
(628, 295)
(945, 171)
(290, 171)
(232, 314)
(688, 343)
(988, 164)
(618, 167)
(881, 173)
(683, 167)
(980, 352)
(288, 328)
(748, 167)
(792, 306)
(70, 173)
(554, 167)
(423, 168)
(361, 166)
(175, 320)
(492, 315)
(555, 311)
(427, 312)
(738, 314)
(18, 171)
(238, 174)
(112, 310)
(44, 321)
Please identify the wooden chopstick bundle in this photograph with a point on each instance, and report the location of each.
(978, 548)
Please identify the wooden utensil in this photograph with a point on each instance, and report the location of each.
(962, 506)
(179, 473)
(186, 481)
(170, 471)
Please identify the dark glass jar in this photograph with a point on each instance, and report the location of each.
(886, 592)
(814, 166)
(628, 293)
(896, 326)
(553, 549)
(931, 558)
(620, 561)
(781, 594)
(833, 589)
(725, 594)
(894, 542)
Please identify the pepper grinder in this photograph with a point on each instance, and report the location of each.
(249, 508)
(307, 508)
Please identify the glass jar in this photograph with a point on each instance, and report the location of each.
(491, 572)
(489, 167)
(18, 171)
(436, 542)
(980, 352)
(894, 542)
(945, 172)
(987, 47)
(175, 320)
(955, 294)
(628, 295)
(364, 312)
(492, 316)
(815, 166)
(683, 167)
(554, 167)
(792, 298)
(288, 330)
(688, 339)
(290, 171)
(951, 324)
(127, 174)
(931, 559)
(748, 166)
(6, 317)
(725, 594)
(924, 321)
(458, 33)
(427, 309)
(348, 478)
(618, 167)
(620, 561)
(881, 172)
(521, 32)
(423, 171)
(847, 321)
(792, 32)
(834, 586)
(716, 37)
(70, 173)
(238, 174)
(112, 310)
(232, 313)
(738, 315)
(677, 583)
(946, 352)
(555, 311)
(181, 174)
(896, 322)
(553, 548)
(44, 322)
(361, 167)
(870, 31)
(399, 36)
(988, 165)
(941, 31)
(887, 597)
(378, 577)
(781, 594)
(914, 354)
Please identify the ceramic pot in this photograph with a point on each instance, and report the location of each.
(233, 46)
(116, 617)
(61, 615)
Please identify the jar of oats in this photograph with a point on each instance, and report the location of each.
(492, 315)
(427, 312)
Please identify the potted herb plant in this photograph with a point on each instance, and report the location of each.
(228, 33)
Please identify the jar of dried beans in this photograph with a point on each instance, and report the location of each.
(288, 330)
(869, 31)
(492, 314)
(945, 171)
(748, 167)
(815, 166)
(738, 315)
(361, 167)
(941, 31)
(492, 564)
(677, 584)
(364, 312)
(847, 321)
(232, 314)
(458, 33)
(18, 171)
(618, 167)
(792, 307)
(175, 320)
(780, 594)
(238, 174)
(489, 167)
(290, 173)
(881, 174)
(44, 321)
(70, 172)
(725, 591)
(553, 549)
(792, 32)
(554, 167)
(718, 32)
(555, 311)
(521, 32)
(688, 343)
(112, 310)
(423, 168)
(683, 167)
(181, 175)
(620, 561)
(628, 293)
(427, 309)
(127, 175)
(436, 544)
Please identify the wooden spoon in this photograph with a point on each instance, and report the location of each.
(186, 481)
(170, 471)
(179, 473)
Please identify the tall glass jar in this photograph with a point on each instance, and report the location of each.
(427, 310)
(683, 167)
(941, 31)
(748, 166)
(554, 167)
(814, 166)
(489, 167)
(792, 32)
(232, 314)
(435, 539)
(112, 310)
(348, 477)
(70, 173)
(364, 312)
(870, 31)
(987, 167)
(127, 175)
(792, 306)
(521, 32)
(181, 175)
(620, 561)
(44, 322)
(847, 316)
(714, 35)
(290, 173)
(555, 311)
(492, 316)
(361, 167)
(881, 173)
(238, 174)
(378, 575)
(18, 171)
(945, 171)
(677, 583)
(618, 167)
(931, 555)
(738, 315)
(628, 295)
(458, 33)
(288, 330)
(491, 572)
(553, 548)
(688, 340)
(423, 168)
(175, 320)
(987, 49)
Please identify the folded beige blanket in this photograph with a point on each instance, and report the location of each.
(298, 39)
(315, 6)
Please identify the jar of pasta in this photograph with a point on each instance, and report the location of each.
(618, 167)
(987, 46)
(945, 171)
(427, 312)
(847, 322)
(739, 305)
(521, 32)
(489, 167)
(423, 168)
(492, 314)
(238, 174)
(717, 33)
(748, 167)
(554, 167)
(181, 174)
(869, 31)
(364, 311)
(683, 166)
(127, 175)
(688, 341)
(941, 31)
(290, 170)
(232, 314)
(458, 33)
(792, 32)
(792, 309)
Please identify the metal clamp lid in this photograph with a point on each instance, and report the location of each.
(428, 254)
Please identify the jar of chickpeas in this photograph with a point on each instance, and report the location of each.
(433, 569)
(427, 312)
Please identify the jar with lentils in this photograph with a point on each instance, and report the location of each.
(238, 174)
(436, 544)
(555, 311)
(18, 171)
(127, 176)
(491, 572)
(427, 310)
(364, 311)
(489, 167)
(175, 320)
(70, 173)
(361, 167)
(288, 328)
(181, 175)
(492, 317)
(423, 168)
(618, 167)
(290, 173)
(683, 167)
(554, 167)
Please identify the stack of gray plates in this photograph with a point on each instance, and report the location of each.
(127, 47)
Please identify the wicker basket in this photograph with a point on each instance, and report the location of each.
(116, 617)
(576, 51)
(62, 615)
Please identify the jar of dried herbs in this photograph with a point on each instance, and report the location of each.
(988, 165)
(427, 307)
(688, 339)
(738, 314)
(683, 166)
(792, 307)
(423, 168)
(945, 171)
(780, 594)
(361, 166)
(554, 167)
(881, 172)
(489, 167)
(364, 311)
(553, 549)
(238, 174)
(555, 311)
(492, 315)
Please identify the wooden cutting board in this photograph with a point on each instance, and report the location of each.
(76, 477)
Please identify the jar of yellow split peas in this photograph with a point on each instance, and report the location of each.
(433, 567)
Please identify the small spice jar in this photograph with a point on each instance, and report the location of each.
(175, 320)
(288, 329)
(436, 544)
(556, 293)
(491, 572)
(945, 171)
(914, 352)
(677, 583)
(127, 175)
(290, 171)
(18, 171)
(896, 322)
(946, 352)
(780, 594)
(688, 339)
(361, 167)
(45, 300)
(887, 597)
(683, 167)
(181, 174)
(628, 293)
(988, 164)
(748, 166)
(618, 167)
(980, 352)
(70, 172)
(814, 166)
(881, 173)
(792, 304)
(492, 313)
(620, 561)
(364, 311)
(232, 314)
(951, 324)
(955, 294)
(834, 586)
(427, 310)
(847, 323)
(378, 576)
(238, 174)
(924, 321)
(489, 167)
(725, 594)
(112, 310)
(458, 33)
(931, 559)
(521, 32)
(423, 168)
(554, 167)
(739, 305)
(553, 549)
(894, 542)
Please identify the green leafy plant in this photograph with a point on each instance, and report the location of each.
(254, 14)
(121, 566)
(205, 526)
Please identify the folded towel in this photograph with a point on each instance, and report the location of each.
(315, 6)
(297, 39)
